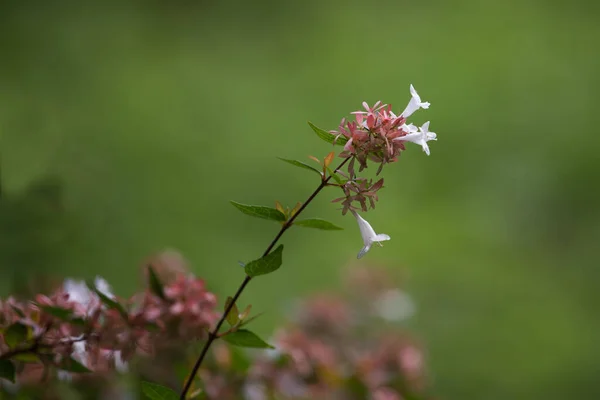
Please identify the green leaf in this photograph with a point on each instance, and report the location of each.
(155, 284)
(158, 392)
(260, 211)
(15, 334)
(108, 302)
(335, 176)
(27, 357)
(265, 265)
(246, 338)
(72, 365)
(301, 165)
(328, 137)
(60, 313)
(7, 370)
(233, 317)
(318, 223)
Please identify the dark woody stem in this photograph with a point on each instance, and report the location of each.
(214, 334)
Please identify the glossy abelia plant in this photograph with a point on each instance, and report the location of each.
(83, 328)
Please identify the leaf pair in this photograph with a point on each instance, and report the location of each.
(274, 214)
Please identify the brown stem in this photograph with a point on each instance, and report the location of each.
(214, 334)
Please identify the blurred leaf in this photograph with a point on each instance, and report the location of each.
(301, 165)
(72, 365)
(260, 211)
(244, 314)
(356, 386)
(279, 207)
(246, 338)
(267, 264)
(315, 159)
(155, 285)
(60, 313)
(7, 370)
(295, 209)
(27, 357)
(328, 159)
(108, 302)
(318, 223)
(15, 334)
(233, 315)
(328, 137)
(158, 392)
(247, 321)
(78, 321)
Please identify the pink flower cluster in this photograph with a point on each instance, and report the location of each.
(379, 135)
(334, 347)
(371, 136)
(79, 328)
(186, 309)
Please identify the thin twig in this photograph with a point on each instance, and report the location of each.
(214, 334)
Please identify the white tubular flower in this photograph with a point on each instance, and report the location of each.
(79, 293)
(414, 104)
(421, 137)
(368, 235)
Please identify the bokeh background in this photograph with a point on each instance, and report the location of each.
(127, 127)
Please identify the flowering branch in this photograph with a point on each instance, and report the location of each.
(214, 334)
(84, 328)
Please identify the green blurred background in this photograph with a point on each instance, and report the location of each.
(153, 115)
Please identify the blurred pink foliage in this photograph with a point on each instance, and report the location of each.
(332, 346)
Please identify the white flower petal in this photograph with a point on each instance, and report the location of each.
(366, 230)
(416, 137)
(414, 104)
(410, 128)
(414, 94)
(381, 237)
(363, 251)
(368, 234)
(78, 292)
(103, 287)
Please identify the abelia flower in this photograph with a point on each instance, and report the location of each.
(368, 235)
(414, 104)
(379, 135)
(421, 137)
